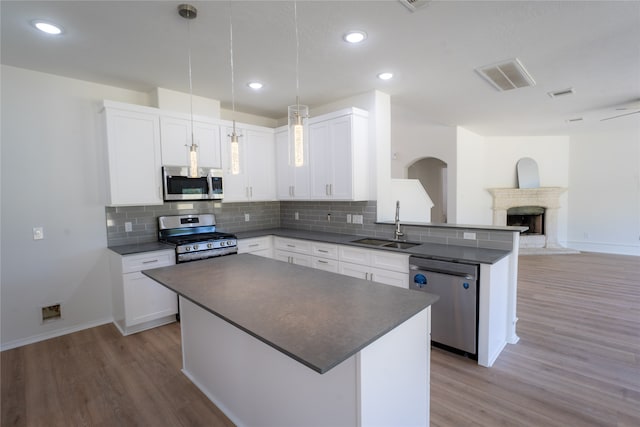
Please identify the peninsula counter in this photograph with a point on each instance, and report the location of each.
(273, 343)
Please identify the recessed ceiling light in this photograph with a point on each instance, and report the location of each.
(385, 76)
(47, 27)
(255, 85)
(355, 36)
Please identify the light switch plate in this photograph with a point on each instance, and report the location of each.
(469, 236)
(128, 227)
(38, 233)
(247, 217)
(357, 219)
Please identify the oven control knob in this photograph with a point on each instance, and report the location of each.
(195, 247)
(187, 248)
(222, 243)
(209, 245)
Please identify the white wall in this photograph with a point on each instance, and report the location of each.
(52, 177)
(604, 201)
(413, 138)
(472, 199)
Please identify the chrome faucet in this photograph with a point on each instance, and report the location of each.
(398, 233)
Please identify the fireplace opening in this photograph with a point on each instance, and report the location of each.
(528, 216)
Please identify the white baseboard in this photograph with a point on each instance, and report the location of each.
(607, 248)
(53, 334)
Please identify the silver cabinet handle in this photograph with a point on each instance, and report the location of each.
(251, 191)
(366, 276)
(322, 262)
(246, 191)
(293, 191)
(371, 278)
(150, 261)
(253, 245)
(331, 189)
(291, 246)
(323, 251)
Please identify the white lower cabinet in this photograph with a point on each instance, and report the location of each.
(374, 265)
(139, 302)
(293, 251)
(262, 246)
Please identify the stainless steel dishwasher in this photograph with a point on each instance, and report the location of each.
(454, 317)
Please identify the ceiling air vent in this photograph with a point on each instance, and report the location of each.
(563, 92)
(507, 75)
(414, 5)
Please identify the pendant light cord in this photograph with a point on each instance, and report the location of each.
(190, 78)
(233, 85)
(295, 19)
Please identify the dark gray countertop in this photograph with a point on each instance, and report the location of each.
(140, 247)
(425, 250)
(316, 317)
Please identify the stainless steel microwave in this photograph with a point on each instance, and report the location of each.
(179, 185)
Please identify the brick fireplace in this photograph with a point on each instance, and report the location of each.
(537, 208)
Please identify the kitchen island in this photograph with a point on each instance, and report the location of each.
(273, 343)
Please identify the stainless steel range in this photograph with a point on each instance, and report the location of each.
(195, 237)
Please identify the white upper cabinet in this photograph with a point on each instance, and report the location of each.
(292, 180)
(133, 155)
(339, 156)
(175, 134)
(256, 178)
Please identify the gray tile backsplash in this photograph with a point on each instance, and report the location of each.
(327, 216)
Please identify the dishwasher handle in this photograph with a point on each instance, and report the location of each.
(447, 272)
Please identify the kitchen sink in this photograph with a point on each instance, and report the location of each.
(372, 242)
(386, 243)
(400, 245)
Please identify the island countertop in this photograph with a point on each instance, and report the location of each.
(316, 317)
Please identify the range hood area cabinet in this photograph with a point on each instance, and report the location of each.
(175, 135)
(256, 179)
(133, 154)
(339, 156)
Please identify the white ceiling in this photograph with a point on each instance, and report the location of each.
(592, 46)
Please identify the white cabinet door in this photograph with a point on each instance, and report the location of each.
(339, 156)
(146, 300)
(133, 157)
(320, 158)
(261, 165)
(354, 270)
(292, 180)
(292, 257)
(256, 179)
(175, 135)
(387, 277)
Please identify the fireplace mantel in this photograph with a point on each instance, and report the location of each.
(546, 197)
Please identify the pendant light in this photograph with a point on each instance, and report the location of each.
(189, 12)
(297, 113)
(235, 145)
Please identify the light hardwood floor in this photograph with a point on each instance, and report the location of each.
(577, 364)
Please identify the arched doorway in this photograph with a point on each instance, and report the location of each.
(432, 174)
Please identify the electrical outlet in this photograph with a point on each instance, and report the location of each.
(182, 206)
(128, 227)
(348, 218)
(357, 219)
(469, 236)
(329, 217)
(296, 216)
(38, 233)
(247, 217)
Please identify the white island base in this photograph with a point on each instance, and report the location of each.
(384, 384)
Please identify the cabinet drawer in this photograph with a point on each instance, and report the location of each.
(293, 258)
(325, 250)
(254, 244)
(293, 245)
(390, 261)
(324, 264)
(133, 263)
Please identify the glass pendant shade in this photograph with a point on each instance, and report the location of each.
(297, 115)
(193, 161)
(235, 154)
